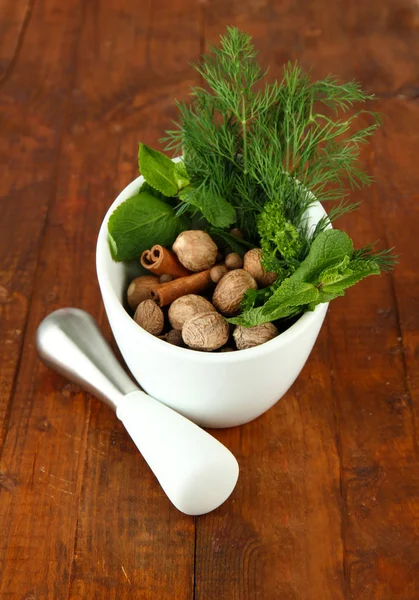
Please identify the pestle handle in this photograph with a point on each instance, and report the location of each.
(196, 471)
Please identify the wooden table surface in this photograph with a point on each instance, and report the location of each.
(327, 504)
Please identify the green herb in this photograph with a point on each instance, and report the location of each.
(223, 239)
(257, 158)
(146, 187)
(268, 152)
(181, 175)
(330, 267)
(139, 223)
(158, 170)
(214, 207)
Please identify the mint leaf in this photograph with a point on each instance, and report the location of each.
(146, 187)
(324, 275)
(214, 207)
(355, 272)
(329, 248)
(336, 272)
(290, 294)
(288, 299)
(158, 170)
(181, 175)
(249, 318)
(139, 223)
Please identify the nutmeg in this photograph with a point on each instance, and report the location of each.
(174, 337)
(150, 317)
(248, 337)
(186, 307)
(217, 272)
(252, 262)
(230, 291)
(236, 232)
(233, 261)
(195, 250)
(206, 331)
(140, 289)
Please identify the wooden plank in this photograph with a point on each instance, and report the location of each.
(380, 474)
(340, 522)
(261, 543)
(374, 41)
(130, 541)
(31, 107)
(14, 19)
(326, 505)
(287, 502)
(395, 155)
(111, 531)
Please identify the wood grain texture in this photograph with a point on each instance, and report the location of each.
(327, 504)
(78, 543)
(32, 107)
(347, 424)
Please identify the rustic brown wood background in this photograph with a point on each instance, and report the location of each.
(327, 505)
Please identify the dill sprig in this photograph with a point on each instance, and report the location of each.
(260, 155)
(384, 259)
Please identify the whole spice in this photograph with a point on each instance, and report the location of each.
(236, 232)
(140, 289)
(230, 291)
(252, 262)
(166, 293)
(217, 272)
(161, 261)
(165, 278)
(206, 331)
(186, 307)
(233, 261)
(174, 337)
(248, 337)
(150, 317)
(195, 250)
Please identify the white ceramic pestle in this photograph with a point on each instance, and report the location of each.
(195, 470)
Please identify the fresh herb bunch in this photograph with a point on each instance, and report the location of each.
(257, 158)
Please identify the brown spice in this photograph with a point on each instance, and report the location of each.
(150, 317)
(236, 232)
(252, 262)
(206, 331)
(140, 289)
(166, 293)
(196, 250)
(230, 291)
(186, 307)
(165, 278)
(217, 272)
(162, 261)
(248, 337)
(233, 261)
(174, 337)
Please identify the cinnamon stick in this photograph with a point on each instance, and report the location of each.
(161, 261)
(166, 293)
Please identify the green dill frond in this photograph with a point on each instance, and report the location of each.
(384, 259)
(268, 152)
